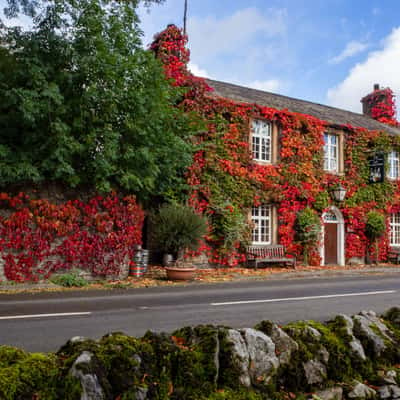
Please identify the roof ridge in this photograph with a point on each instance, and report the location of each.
(368, 122)
(292, 98)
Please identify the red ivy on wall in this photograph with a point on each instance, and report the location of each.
(383, 106)
(225, 182)
(38, 237)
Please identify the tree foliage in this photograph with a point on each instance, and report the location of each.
(307, 230)
(32, 7)
(84, 104)
(375, 225)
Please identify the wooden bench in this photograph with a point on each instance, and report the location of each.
(394, 255)
(268, 254)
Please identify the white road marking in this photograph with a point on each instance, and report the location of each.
(328, 296)
(71, 314)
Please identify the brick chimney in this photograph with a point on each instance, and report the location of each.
(378, 96)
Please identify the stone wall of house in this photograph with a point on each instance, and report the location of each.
(76, 230)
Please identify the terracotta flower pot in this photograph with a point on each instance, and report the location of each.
(180, 274)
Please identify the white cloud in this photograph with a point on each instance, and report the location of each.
(237, 45)
(211, 36)
(197, 71)
(270, 85)
(352, 48)
(381, 67)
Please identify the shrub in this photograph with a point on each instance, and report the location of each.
(375, 227)
(307, 230)
(176, 228)
(69, 279)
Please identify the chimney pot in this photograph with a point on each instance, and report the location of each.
(376, 86)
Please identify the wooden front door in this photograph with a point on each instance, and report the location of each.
(331, 243)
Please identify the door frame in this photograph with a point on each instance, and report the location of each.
(340, 236)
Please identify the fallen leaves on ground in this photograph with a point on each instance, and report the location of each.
(156, 276)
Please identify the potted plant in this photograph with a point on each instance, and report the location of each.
(177, 228)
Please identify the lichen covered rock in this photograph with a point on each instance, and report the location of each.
(376, 337)
(88, 371)
(347, 324)
(359, 391)
(333, 393)
(261, 353)
(393, 316)
(239, 356)
(315, 372)
(285, 346)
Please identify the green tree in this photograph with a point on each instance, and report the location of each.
(375, 227)
(85, 104)
(307, 230)
(32, 7)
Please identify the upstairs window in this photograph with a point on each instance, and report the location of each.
(331, 145)
(395, 229)
(394, 165)
(261, 137)
(261, 218)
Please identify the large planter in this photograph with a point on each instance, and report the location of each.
(180, 274)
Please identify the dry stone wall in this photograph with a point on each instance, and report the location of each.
(346, 358)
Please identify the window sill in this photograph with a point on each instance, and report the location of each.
(337, 173)
(259, 162)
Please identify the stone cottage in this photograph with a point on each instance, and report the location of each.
(265, 157)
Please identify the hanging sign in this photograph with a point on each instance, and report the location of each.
(377, 168)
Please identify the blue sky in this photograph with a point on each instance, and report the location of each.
(325, 51)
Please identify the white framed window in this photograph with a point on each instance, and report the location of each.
(261, 217)
(331, 152)
(395, 229)
(261, 138)
(394, 165)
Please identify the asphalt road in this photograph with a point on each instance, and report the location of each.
(43, 322)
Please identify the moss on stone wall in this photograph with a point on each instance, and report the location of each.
(24, 375)
(215, 363)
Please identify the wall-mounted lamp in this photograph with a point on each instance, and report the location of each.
(339, 193)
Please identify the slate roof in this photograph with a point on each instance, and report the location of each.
(334, 116)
